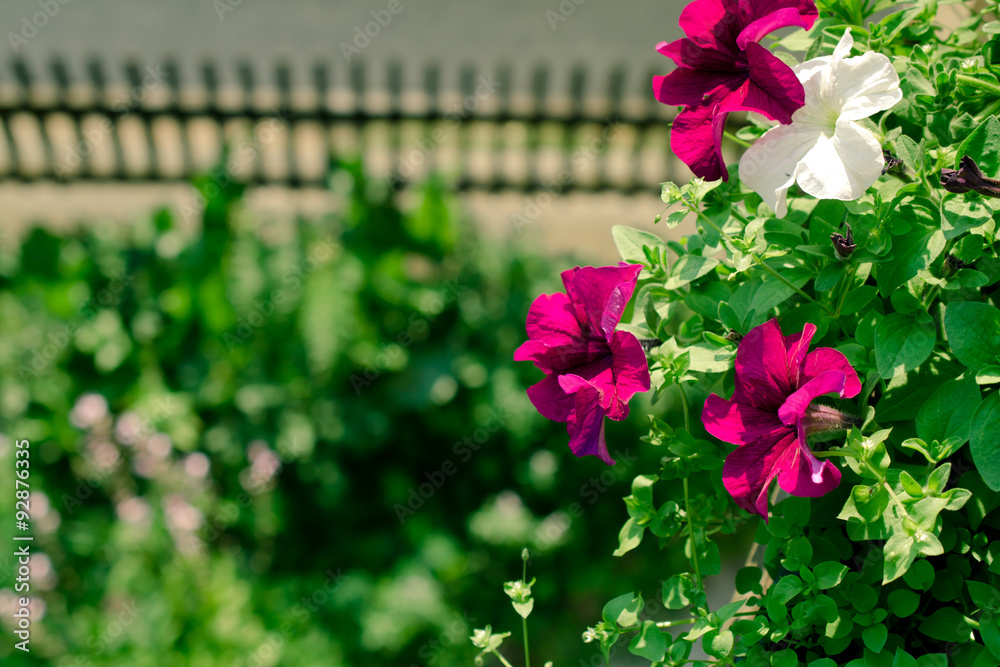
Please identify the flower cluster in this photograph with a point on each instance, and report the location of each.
(591, 370)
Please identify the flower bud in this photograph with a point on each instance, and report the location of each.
(968, 177)
(844, 245)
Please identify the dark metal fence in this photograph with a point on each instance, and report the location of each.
(141, 123)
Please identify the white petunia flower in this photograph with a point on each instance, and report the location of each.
(824, 150)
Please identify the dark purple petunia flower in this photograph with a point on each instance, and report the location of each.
(771, 414)
(591, 370)
(722, 68)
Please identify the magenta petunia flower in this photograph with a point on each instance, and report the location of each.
(591, 370)
(722, 68)
(771, 414)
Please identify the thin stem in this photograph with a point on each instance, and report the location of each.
(690, 523)
(831, 452)
(790, 285)
(670, 624)
(500, 658)
(736, 140)
(684, 405)
(847, 288)
(524, 621)
(984, 86)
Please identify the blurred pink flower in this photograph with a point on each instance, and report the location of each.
(771, 414)
(592, 371)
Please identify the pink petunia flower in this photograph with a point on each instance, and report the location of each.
(722, 68)
(771, 414)
(591, 370)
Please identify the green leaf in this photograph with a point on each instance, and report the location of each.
(688, 269)
(983, 146)
(948, 625)
(900, 551)
(629, 537)
(985, 596)
(948, 412)
(973, 331)
(718, 644)
(903, 602)
(623, 611)
(911, 253)
(786, 588)
(910, 485)
(726, 611)
(748, 580)
(681, 590)
(784, 658)
(988, 375)
(650, 643)
(902, 343)
(962, 212)
(984, 441)
(630, 241)
(829, 574)
(990, 631)
(920, 576)
(903, 659)
(874, 637)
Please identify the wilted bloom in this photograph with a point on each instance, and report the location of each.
(591, 369)
(969, 178)
(771, 413)
(844, 244)
(824, 149)
(722, 68)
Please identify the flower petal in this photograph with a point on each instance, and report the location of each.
(687, 54)
(797, 345)
(696, 138)
(690, 87)
(704, 21)
(772, 88)
(550, 400)
(843, 166)
(825, 359)
(770, 165)
(551, 318)
(762, 378)
(740, 423)
(600, 295)
(802, 14)
(802, 474)
(750, 469)
(866, 84)
(630, 372)
(586, 422)
(794, 407)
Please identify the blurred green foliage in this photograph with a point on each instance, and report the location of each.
(297, 448)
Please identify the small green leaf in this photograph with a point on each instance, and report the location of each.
(630, 241)
(629, 538)
(984, 441)
(948, 412)
(718, 644)
(874, 637)
(829, 574)
(973, 331)
(985, 596)
(902, 343)
(910, 485)
(650, 643)
(903, 602)
(623, 611)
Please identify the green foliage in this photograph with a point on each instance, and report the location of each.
(897, 566)
(258, 444)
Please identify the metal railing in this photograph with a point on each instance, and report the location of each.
(144, 123)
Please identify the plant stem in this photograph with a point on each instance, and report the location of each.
(684, 405)
(831, 452)
(670, 624)
(736, 140)
(789, 284)
(847, 288)
(524, 621)
(984, 86)
(501, 658)
(694, 546)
